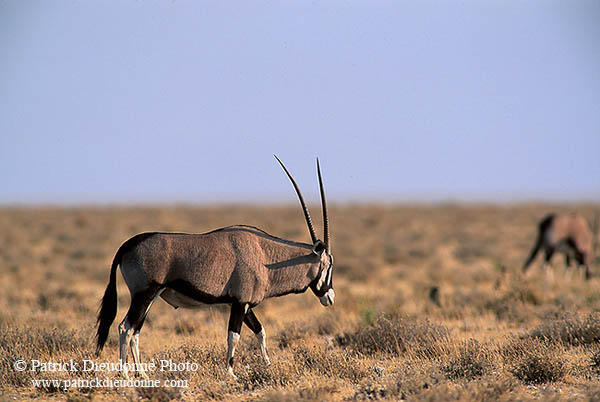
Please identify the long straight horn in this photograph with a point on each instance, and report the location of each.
(311, 229)
(324, 208)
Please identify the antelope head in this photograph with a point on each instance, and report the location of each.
(322, 286)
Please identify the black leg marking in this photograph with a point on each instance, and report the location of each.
(236, 318)
(138, 309)
(252, 322)
(549, 252)
(588, 274)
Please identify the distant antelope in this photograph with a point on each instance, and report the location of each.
(569, 234)
(237, 265)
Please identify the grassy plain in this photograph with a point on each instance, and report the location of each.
(490, 334)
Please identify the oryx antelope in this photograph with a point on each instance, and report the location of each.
(237, 265)
(568, 234)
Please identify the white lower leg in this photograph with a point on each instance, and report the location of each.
(232, 340)
(125, 338)
(262, 340)
(135, 351)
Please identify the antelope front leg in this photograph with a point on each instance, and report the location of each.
(238, 311)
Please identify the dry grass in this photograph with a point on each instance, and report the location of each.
(486, 333)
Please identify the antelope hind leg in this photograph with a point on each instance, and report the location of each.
(252, 322)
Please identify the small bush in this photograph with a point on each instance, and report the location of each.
(534, 361)
(534, 369)
(326, 363)
(159, 394)
(316, 393)
(210, 359)
(571, 330)
(396, 336)
(595, 361)
(371, 392)
(472, 361)
(297, 332)
(20, 343)
(291, 335)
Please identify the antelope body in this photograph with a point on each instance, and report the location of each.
(566, 233)
(238, 265)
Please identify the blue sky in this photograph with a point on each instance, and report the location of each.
(187, 101)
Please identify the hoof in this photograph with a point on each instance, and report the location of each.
(230, 373)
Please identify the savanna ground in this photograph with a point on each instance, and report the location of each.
(495, 335)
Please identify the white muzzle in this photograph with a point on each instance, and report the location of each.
(328, 298)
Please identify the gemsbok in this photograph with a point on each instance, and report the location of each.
(568, 234)
(238, 265)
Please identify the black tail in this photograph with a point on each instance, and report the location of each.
(108, 308)
(544, 226)
(533, 253)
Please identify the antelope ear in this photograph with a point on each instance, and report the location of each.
(318, 248)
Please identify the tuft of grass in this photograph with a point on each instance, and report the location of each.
(472, 361)
(570, 330)
(323, 362)
(311, 393)
(44, 344)
(298, 331)
(534, 361)
(254, 374)
(397, 336)
(159, 394)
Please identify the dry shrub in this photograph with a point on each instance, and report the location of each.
(516, 304)
(595, 361)
(253, 373)
(338, 364)
(209, 357)
(468, 252)
(534, 361)
(316, 393)
(570, 330)
(372, 392)
(397, 336)
(425, 382)
(413, 379)
(465, 302)
(44, 344)
(209, 382)
(158, 394)
(485, 389)
(292, 334)
(471, 361)
(535, 369)
(297, 332)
